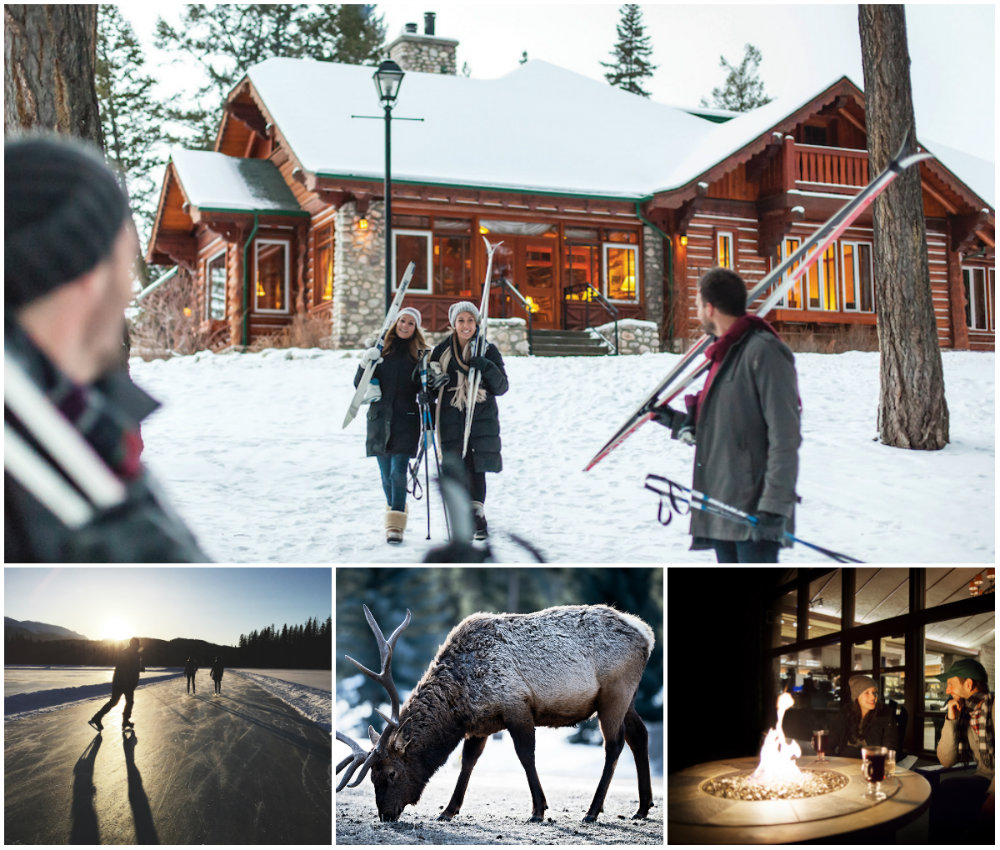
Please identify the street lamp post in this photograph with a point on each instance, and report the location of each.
(388, 78)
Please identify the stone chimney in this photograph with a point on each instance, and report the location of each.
(428, 52)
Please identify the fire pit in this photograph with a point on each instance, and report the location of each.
(742, 786)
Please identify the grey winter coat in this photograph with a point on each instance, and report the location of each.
(748, 437)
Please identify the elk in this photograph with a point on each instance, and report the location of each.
(555, 667)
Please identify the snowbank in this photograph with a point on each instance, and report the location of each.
(312, 703)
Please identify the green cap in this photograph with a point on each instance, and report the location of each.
(965, 668)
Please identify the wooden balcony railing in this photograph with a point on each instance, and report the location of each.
(830, 169)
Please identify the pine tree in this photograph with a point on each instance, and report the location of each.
(631, 64)
(130, 116)
(743, 89)
(226, 39)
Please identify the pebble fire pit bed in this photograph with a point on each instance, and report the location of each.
(722, 794)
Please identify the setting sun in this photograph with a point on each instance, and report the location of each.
(116, 629)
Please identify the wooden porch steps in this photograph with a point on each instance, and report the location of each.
(546, 343)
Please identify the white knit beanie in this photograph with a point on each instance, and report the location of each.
(413, 311)
(462, 307)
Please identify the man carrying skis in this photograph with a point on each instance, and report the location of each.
(74, 487)
(744, 424)
(124, 682)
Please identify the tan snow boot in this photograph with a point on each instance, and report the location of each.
(395, 525)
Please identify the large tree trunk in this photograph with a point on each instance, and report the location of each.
(913, 413)
(49, 60)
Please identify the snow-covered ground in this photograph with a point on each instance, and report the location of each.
(250, 450)
(30, 690)
(307, 691)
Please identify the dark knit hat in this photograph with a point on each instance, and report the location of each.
(63, 210)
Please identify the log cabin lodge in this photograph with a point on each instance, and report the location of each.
(609, 206)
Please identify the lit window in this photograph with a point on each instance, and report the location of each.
(215, 286)
(621, 270)
(792, 299)
(856, 262)
(724, 250)
(413, 246)
(323, 267)
(821, 281)
(271, 275)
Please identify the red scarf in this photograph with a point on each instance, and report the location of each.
(718, 350)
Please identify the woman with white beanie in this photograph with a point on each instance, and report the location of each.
(393, 416)
(452, 357)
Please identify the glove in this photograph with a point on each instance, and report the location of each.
(372, 355)
(483, 364)
(680, 424)
(436, 378)
(769, 527)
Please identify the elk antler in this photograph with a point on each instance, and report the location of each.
(384, 676)
(358, 757)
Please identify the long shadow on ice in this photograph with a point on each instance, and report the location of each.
(297, 740)
(142, 816)
(84, 829)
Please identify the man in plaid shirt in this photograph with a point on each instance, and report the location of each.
(969, 730)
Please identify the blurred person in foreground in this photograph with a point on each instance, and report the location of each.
(964, 806)
(74, 487)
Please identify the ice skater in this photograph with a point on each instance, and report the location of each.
(190, 668)
(123, 682)
(216, 674)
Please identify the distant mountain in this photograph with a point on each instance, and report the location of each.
(37, 631)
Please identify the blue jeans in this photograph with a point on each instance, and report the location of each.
(746, 551)
(393, 469)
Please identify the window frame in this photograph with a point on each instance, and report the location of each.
(208, 284)
(320, 242)
(256, 276)
(628, 246)
(856, 266)
(725, 234)
(429, 272)
(970, 300)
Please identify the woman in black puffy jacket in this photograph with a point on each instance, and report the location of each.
(394, 418)
(451, 357)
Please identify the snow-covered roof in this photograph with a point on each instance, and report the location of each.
(978, 174)
(214, 181)
(539, 129)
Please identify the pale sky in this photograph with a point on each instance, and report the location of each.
(804, 46)
(214, 604)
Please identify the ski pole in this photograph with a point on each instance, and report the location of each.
(674, 496)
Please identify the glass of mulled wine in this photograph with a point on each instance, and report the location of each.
(821, 743)
(873, 769)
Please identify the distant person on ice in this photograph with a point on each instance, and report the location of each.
(393, 416)
(452, 357)
(745, 426)
(74, 487)
(190, 668)
(123, 682)
(216, 674)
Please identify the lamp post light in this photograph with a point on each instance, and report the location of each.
(388, 78)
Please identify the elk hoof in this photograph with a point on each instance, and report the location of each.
(445, 816)
(535, 819)
(590, 819)
(639, 816)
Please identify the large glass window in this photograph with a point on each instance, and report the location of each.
(413, 246)
(859, 290)
(822, 281)
(323, 266)
(978, 308)
(792, 299)
(215, 286)
(621, 272)
(271, 275)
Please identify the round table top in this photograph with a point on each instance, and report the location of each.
(696, 817)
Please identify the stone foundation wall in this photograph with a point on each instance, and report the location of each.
(634, 336)
(509, 335)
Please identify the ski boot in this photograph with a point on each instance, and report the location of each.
(95, 721)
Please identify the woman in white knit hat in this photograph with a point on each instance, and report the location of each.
(452, 357)
(393, 416)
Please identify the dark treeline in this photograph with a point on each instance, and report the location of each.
(440, 597)
(306, 646)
